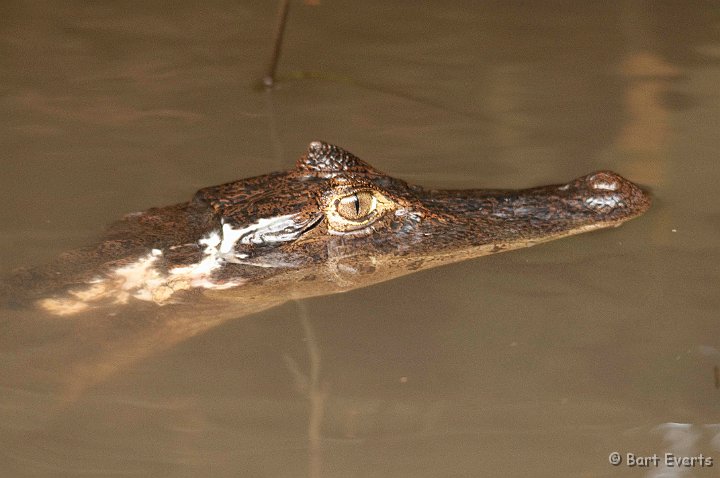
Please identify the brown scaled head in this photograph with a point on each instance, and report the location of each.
(332, 223)
(339, 211)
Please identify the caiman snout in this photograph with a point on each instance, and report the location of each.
(509, 219)
(609, 194)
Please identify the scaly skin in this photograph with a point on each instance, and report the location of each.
(169, 273)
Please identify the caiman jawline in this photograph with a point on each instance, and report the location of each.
(143, 280)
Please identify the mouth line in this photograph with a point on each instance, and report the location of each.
(312, 225)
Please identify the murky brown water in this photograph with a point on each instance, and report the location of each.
(536, 363)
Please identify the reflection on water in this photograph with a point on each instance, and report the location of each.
(536, 363)
(310, 385)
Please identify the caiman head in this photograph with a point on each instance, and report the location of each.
(332, 224)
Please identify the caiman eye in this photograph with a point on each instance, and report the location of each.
(355, 211)
(356, 206)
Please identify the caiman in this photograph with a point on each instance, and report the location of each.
(331, 224)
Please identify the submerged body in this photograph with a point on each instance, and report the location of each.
(331, 224)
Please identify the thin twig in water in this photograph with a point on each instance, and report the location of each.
(315, 390)
(269, 78)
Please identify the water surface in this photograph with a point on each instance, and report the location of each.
(535, 363)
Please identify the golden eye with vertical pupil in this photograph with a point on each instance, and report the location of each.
(356, 210)
(356, 207)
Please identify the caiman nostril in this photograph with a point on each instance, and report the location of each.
(603, 181)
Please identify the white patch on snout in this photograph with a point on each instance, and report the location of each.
(143, 281)
(220, 249)
(611, 201)
(200, 274)
(263, 231)
(139, 279)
